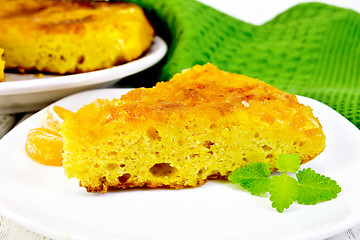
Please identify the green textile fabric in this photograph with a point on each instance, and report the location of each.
(312, 49)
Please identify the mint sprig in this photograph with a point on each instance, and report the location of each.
(308, 188)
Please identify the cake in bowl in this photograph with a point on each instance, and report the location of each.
(202, 124)
(62, 37)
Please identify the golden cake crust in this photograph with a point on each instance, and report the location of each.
(201, 90)
(72, 36)
(2, 65)
(203, 123)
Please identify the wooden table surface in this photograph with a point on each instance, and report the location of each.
(9, 230)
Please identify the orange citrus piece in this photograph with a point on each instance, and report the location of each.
(53, 118)
(45, 146)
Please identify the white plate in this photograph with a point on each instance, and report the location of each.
(42, 199)
(27, 92)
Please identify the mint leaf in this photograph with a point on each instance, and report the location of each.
(254, 177)
(315, 188)
(284, 191)
(309, 188)
(288, 162)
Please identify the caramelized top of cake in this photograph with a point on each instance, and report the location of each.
(60, 16)
(203, 91)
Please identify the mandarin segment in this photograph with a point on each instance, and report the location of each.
(53, 118)
(61, 112)
(45, 146)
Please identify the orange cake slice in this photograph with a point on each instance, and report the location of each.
(203, 123)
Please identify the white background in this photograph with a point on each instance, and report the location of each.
(261, 11)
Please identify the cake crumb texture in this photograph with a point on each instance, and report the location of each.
(203, 123)
(72, 36)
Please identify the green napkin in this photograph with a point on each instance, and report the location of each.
(311, 49)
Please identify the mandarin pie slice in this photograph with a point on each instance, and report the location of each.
(202, 124)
